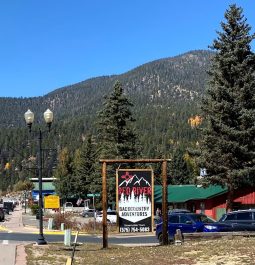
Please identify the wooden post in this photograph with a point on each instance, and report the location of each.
(104, 197)
(164, 202)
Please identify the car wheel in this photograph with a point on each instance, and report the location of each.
(160, 239)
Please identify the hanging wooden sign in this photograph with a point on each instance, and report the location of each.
(135, 194)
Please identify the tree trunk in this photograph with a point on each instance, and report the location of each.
(230, 198)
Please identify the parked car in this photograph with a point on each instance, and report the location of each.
(68, 207)
(111, 217)
(89, 213)
(241, 220)
(6, 210)
(178, 211)
(2, 215)
(188, 223)
(9, 205)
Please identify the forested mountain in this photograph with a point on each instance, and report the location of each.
(172, 84)
(165, 94)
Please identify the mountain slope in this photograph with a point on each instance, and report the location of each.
(165, 94)
(165, 81)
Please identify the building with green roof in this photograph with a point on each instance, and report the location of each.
(185, 193)
(194, 198)
(48, 188)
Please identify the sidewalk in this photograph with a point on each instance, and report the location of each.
(13, 254)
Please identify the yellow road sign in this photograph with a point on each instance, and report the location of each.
(51, 202)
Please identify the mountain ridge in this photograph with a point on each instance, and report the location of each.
(164, 92)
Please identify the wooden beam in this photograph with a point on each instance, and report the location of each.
(164, 203)
(104, 198)
(142, 160)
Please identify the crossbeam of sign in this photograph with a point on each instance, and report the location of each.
(93, 195)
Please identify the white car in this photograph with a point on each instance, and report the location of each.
(111, 217)
(68, 207)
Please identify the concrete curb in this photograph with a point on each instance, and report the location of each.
(21, 255)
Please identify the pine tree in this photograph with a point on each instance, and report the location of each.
(64, 173)
(180, 171)
(228, 146)
(116, 135)
(85, 168)
(116, 132)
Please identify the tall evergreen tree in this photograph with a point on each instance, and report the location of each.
(85, 168)
(64, 173)
(228, 146)
(115, 126)
(180, 171)
(116, 135)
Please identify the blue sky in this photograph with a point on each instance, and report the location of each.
(45, 45)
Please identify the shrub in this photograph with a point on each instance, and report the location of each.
(65, 218)
(97, 227)
(34, 209)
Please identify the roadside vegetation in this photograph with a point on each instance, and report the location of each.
(75, 223)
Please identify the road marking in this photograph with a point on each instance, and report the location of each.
(5, 242)
(2, 228)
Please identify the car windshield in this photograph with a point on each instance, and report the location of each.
(202, 218)
(111, 213)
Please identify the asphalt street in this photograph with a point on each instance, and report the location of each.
(121, 240)
(28, 232)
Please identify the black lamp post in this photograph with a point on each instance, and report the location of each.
(48, 117)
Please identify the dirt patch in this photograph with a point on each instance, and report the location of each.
(210, 252)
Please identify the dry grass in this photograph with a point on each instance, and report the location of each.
(235, 251)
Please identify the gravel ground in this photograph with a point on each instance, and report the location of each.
(236, 251)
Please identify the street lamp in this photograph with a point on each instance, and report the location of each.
(48, 117)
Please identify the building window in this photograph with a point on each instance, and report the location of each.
(202, 207)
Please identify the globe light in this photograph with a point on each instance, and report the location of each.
(48, 116)
(29, 117)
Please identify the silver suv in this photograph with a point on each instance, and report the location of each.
(241, 220)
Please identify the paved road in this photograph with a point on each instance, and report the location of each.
(13, 233)
(117, 239)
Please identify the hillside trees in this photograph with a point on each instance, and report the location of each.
(116, 139)
(25, 185)
(228, 146)
(164, 93)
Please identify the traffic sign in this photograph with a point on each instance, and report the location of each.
(93, 195)
(51, 202)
